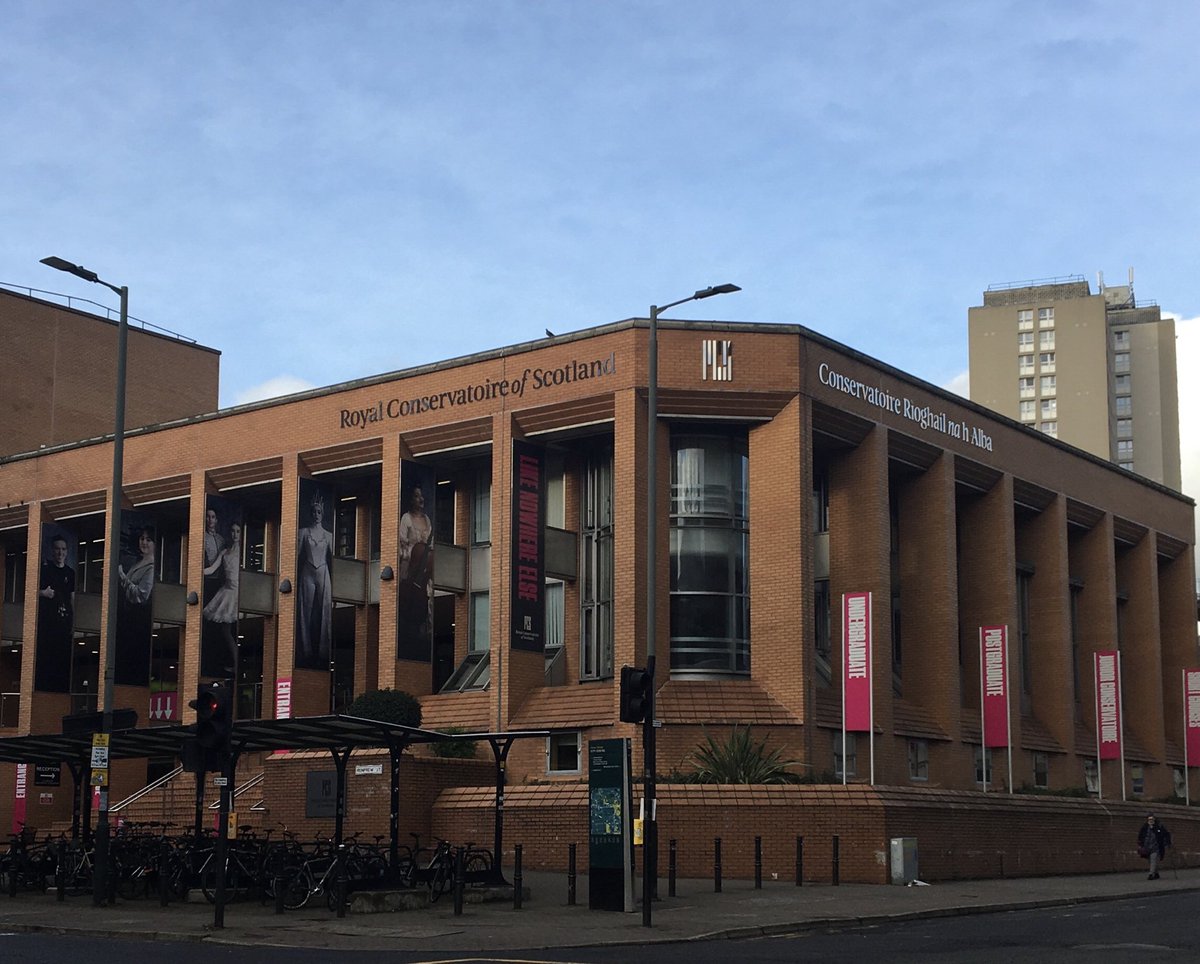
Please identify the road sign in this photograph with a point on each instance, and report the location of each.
(99, 752)
(220, 781)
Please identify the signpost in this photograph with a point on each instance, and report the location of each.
(610, 867)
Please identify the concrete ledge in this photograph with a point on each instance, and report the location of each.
(390, 901)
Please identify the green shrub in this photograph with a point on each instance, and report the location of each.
(387, 706)
(740, 760)
(454, 749)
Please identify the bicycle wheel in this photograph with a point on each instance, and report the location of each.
(477, 868)
(441, 878)
(209, 880)
(297, 890)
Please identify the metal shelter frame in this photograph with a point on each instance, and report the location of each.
(340, 735)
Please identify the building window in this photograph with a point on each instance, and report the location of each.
(1027, 388)
(1025, 364)
(820, 498)
(1045, 317)
(1123, 384)
(562, 752)
(1120, 340)
(556, 622)
(479, 640)
(1049, 384)
(849, 758)
(822, 628)
(1024, 586)
(1124, 449)
(1041, 771)
(1124, 405)
(1137, 777)
(1126, 465)
(1124, 428)
(1049, 428)
(984, 772)
(1028, 411)
(481, 509)
(596, 569)
(14, 575)
(556, 490)
(1025, 341)
(918, 759)
(1025, 319)
(1049, 408)
(1091, 777)
(1046, 339)
(710, 553)
(1046, 361)
(1121, 361)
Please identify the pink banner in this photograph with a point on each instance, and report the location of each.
(18, 817)
(993, 682)
(283, 698)
(1108, 705)
(1191, 710)
(856, 661)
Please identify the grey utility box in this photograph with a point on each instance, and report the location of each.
(904, 860)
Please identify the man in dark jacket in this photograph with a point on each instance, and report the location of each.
(1153, 841)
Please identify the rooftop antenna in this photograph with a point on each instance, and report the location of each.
(1100, 280)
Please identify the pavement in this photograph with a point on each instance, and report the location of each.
(547, 920)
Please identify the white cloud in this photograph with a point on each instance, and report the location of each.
(1187, 360)
(273, 388)
(960, 384)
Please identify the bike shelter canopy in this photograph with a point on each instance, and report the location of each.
(340, 735)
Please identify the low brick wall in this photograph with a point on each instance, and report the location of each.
(959, 834)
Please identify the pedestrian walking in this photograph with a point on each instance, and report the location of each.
(1153, 841)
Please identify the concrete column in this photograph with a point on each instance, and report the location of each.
(1141, 656)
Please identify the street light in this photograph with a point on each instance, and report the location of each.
(649, 749)
(99, 888)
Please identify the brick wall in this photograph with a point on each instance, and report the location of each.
(960, 834)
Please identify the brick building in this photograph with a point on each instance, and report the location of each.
(474, 532)
(58, 372)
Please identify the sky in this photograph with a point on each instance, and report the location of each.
(329, 190)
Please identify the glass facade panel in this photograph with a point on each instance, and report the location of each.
(710, 549)
(596, 569)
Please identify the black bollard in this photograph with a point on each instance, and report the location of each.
(837, 860)
(758, 863)
(341, 880)
(280, 887)
(671, 869)
(571, 875)
(60, 872)
(716, 865)
(799, 860)
(458, 881)
(517, 878)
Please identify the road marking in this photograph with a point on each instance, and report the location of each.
(493, 960)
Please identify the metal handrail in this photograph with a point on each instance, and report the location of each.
(108, 312)
(148, 788)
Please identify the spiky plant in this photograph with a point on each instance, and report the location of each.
(739, 759)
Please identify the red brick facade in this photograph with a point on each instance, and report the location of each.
(950, 516)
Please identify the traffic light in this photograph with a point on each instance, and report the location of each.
(635, 694)
(214, 717)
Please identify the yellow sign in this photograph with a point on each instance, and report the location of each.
(231, 825)
(637, 831)
(100, 778)
(100, 739)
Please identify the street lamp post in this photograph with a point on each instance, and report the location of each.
(649, 748)
(100, 882)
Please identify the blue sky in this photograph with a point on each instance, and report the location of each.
(329, 190)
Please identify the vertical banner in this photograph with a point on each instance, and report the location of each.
(993, 670)
(528, 625)
(19, 794)
(414, 580)
(222, 544)
(1191, 716)
(56, 610)
(856, 662)
(136, 575)
(1108, 705)
(314, 576)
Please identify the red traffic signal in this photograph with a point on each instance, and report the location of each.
(214, 716)
(636, 684)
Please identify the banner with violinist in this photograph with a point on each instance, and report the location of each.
(414, 580)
